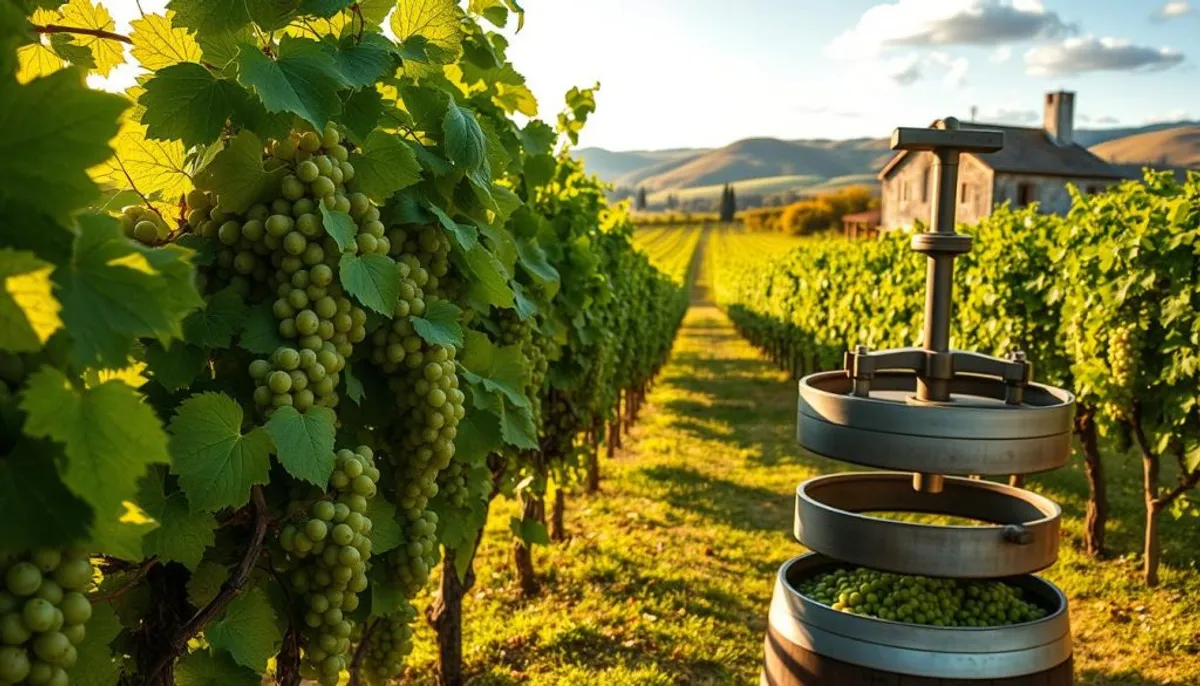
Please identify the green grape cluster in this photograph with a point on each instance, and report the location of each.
(452, 483)
(43, 615)
(298, 378)
(423, 378)
(921, 600)
(514, 331)
(282, 250)
(329, 550)
(1120, 356)
(388, 645)
(144, 225)
(398, 344)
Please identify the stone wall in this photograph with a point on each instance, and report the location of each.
(908, 192)
(1050, 192)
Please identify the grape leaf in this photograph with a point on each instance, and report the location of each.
(28, 310)
(237, 175)
(247, 630)
(303, 80)
(111, 436)
(531, 531)
(375, 11)
(525, 307)
(204, 668)
(465, 235)
(465, 144)
(216, 463)
(304, 442)
(175, 367)
(206, 17)
(215, 325)
(361, 111)
(386, 533)
(386, 596)
(373, 280)
(154, 167)
(537, 265)
(261, 332)
(65, 126)
(119, 532)
(157, 44)
(39, 509)
(182, 535)
(95, 664)
(354, 387)
(384, 165)
(324, 8)
(272, 15)
(516, 421)
(497, 369)
(185, 102)
(539, 169)
(108, 53)
(538, 138)
(436, 22)
(115, 290)
(362, 61)
(206, 582)
(491, 278)
(340, 226)
(440, 325)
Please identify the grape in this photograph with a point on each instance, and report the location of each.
(327, 565)
(921, 600)
(388, 644)
(14, 664)
(44, 616)
(23, 579)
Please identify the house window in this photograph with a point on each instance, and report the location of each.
(904, 192)
(964, 193)
(926, 181)
(1026, 194)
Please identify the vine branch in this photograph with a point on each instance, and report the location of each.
(360, 651)
(229, 590)
(133, 583)
(81, 31)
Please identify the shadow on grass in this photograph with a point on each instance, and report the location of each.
(1095, 677)
(743, 507)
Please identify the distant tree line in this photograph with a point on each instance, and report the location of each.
(811, 215)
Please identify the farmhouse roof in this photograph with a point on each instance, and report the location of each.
(1031, 151)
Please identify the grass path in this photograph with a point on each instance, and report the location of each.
(668, 574)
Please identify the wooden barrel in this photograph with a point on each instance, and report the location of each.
(808, 644)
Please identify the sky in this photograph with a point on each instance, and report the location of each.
(705, 73)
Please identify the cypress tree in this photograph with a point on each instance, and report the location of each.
(640, 203)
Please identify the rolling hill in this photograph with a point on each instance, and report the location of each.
(778, 166)
(1177, 147)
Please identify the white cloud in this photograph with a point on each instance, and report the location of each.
(1168, 117)
(909, 68)
(1078, 55)
(948, 22)
(956, 68)
(1173, 10)
(1000, 55)
(1005, 115)
(904, 70)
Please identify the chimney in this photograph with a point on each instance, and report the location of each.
(1060, 117)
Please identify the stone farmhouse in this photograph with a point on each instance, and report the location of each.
(1035, 165)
